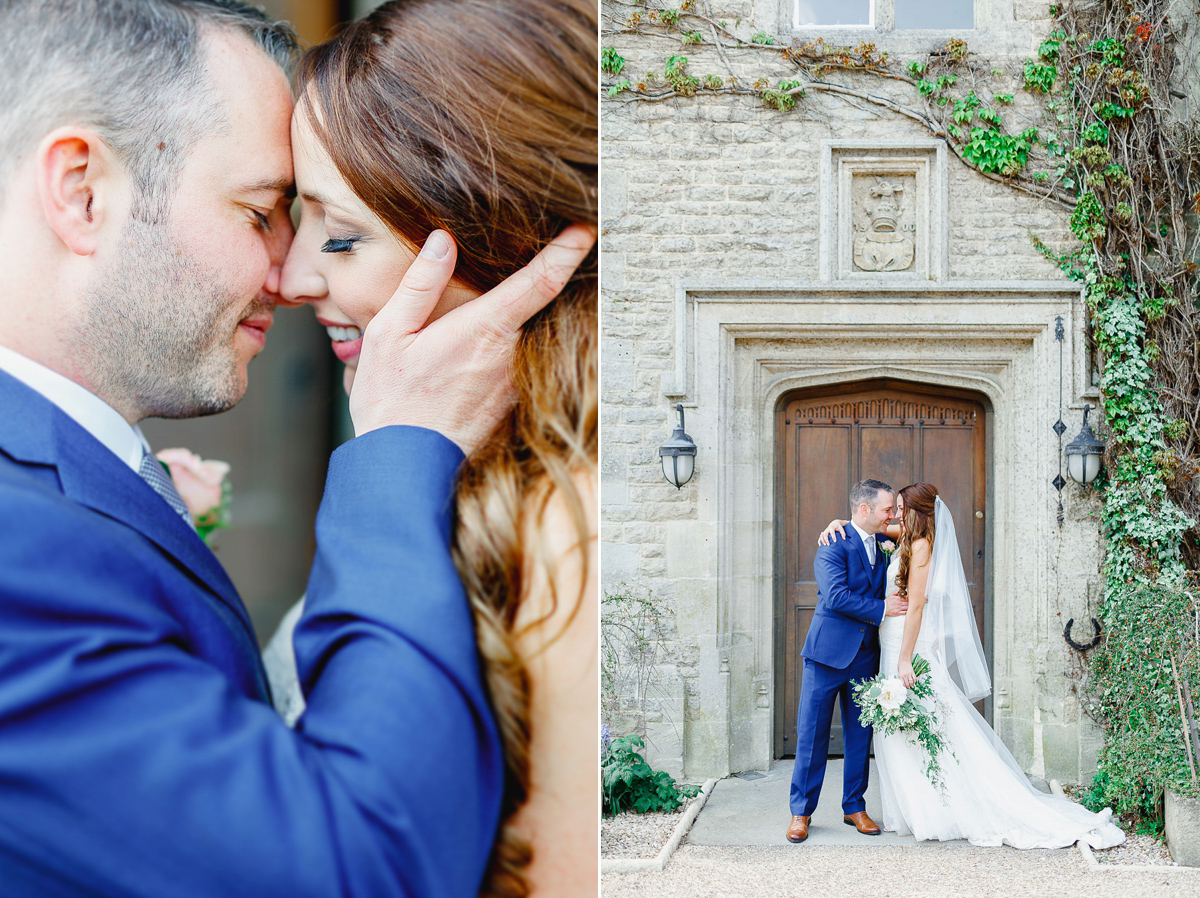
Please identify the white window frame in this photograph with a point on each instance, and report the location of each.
(797, 26)
(882, 17)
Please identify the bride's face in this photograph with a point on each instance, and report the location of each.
(900, 509)
(344, 259)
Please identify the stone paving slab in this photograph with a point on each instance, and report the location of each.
(753, 810)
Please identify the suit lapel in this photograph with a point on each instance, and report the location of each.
(38, 432)
(876, 575)
(97, 479)
(881, 566)
(862, 554)
(94, 477)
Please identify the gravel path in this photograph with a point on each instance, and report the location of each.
(637, 835)
(890, 872)
(1139, 850)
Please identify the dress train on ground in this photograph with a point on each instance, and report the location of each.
(986, 798)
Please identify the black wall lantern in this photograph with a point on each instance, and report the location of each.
(1084, 454)
(678, 455)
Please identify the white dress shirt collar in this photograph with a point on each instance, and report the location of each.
(89, 411)
(867, 539)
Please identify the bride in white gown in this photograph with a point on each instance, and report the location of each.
(985, 797)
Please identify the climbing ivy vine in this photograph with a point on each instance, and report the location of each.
(1110, 72)
(1093, 121)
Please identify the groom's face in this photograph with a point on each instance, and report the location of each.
(884, 510)
(188, 300)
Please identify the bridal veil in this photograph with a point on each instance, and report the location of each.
(948, 610)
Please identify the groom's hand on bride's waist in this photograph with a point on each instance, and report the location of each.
(895, 605)
(452, 375)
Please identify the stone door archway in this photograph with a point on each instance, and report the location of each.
(829, 437)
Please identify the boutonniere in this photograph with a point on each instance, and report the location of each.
(202, 486)
(888, 547)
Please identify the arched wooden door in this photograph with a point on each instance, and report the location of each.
(828, 439)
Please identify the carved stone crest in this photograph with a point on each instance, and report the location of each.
(884, 238)
(883, 211)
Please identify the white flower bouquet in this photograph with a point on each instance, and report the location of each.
(889, 708)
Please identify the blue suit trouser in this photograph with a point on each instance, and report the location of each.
(821, 687)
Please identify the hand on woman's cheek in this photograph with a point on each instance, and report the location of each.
(454, 295)
(453, 376)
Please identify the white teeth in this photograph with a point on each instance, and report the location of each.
(343, 334)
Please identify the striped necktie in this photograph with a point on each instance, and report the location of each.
(153, 473)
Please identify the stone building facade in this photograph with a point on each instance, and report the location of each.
(829, 293)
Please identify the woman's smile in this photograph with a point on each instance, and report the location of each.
(346, 339)
(344, 259)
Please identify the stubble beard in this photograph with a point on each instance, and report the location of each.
(157, 336)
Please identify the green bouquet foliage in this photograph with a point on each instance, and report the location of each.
(888, 708)
(629, 783)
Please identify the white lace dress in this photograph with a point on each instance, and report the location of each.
(279, 660)
(986, 798)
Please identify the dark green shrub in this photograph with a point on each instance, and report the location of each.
(628, 782)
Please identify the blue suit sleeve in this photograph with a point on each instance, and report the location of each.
(833, 582)
(134, 767)
(386, 610)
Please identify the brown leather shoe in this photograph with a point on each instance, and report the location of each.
(862, 823)
(798, 831)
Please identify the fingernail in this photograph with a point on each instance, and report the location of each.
(437, 246)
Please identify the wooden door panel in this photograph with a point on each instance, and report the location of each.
(886, 453)
(943, 447)
(817, 492)
(820, 496)
(828, 440)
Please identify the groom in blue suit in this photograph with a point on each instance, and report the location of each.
(144, 166)
(842, 646)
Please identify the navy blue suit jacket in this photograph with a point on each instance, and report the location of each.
(849, 599)
(139, 755)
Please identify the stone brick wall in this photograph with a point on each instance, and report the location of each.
(725, 188)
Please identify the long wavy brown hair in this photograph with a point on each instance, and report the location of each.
(480, 117)
(919, 523)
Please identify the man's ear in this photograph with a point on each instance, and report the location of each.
(77, 184)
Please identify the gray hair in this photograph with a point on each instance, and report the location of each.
(132, 70)
(867, 491)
